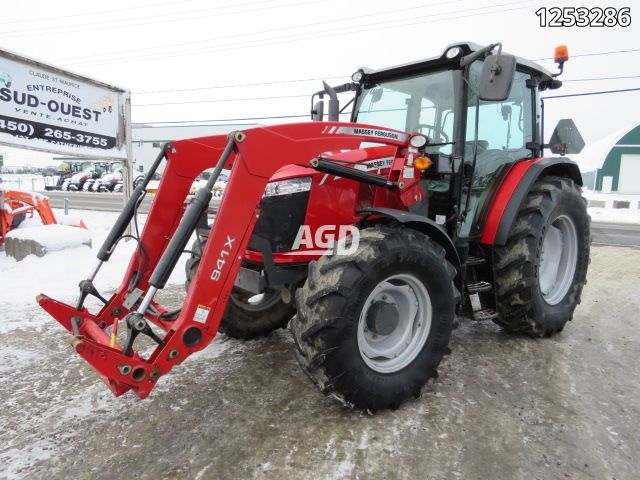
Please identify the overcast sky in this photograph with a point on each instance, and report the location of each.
(193, 44)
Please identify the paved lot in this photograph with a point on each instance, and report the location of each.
(616, 234)
(504, 407)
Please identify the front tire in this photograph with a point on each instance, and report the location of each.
(373, 326)
(247, 316)
(542, 268)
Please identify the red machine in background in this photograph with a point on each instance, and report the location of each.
(17, 206)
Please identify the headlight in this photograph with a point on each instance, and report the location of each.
(286, 187)
(418, 140)
(453, 52)
(357, 76)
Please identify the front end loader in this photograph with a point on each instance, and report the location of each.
(368, 237)
(17, 206)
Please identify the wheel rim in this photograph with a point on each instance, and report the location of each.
(389, 341)
(255, 302)
(558, 259)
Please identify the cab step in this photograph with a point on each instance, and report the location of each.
(474, 261)
(478, 287)
(484, 315)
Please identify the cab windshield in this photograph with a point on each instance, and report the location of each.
(422, 103)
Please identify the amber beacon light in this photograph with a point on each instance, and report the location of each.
(561, 54)
(422, 163)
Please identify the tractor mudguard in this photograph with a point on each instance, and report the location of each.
(513, 191)
(427, 226)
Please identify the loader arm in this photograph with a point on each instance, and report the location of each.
(254, 155)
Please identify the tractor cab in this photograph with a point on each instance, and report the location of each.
(480, 112)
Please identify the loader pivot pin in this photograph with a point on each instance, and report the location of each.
(136, 324)
(75, 325)
(87, 288)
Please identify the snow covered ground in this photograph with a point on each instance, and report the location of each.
(26, 181)
(504, 406)
(57, 274)
(53, 237)
(245, 410)
(614, 215)
(609, 214)
(611, 197)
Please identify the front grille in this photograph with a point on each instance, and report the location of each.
(280, 220)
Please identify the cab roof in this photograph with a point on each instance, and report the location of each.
(441, 61)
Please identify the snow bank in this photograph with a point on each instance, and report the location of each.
(73, 220)
(614, 215)
(602, 207)
(610, 197)
(31, 222)
(53, 237)
(57, 274)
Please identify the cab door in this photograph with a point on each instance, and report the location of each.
(504, 129)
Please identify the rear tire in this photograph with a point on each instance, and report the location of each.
(542, 268)
(246, 316)
(341, 296)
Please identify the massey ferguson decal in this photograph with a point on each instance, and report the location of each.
(368, 132)
(377, 164)
(45, 108)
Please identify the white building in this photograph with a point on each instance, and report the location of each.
(612, 164)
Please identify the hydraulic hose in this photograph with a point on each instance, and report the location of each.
(332, 168)
(129, 210)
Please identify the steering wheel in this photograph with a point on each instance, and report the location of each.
(434, 130)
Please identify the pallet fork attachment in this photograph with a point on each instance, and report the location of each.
(254, 156)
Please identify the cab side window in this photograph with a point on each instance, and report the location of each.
(504, 128)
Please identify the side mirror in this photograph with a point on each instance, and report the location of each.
(317, 114)
(334, 105)
(497, 77)
(566, 138)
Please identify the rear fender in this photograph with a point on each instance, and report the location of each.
(427, 226)
(513, 192)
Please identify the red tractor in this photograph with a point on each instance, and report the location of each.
(17, 206)
(368, 236)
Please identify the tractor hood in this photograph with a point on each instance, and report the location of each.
(77, 177)
(112, 177)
